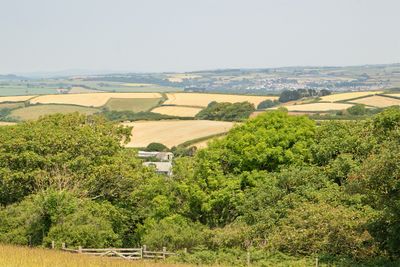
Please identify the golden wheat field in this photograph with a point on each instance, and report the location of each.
(316, 107)
(13, 256)
(89, 100)
(177, 111)
(15, 98)
(202, 100)
(174, 132)
(377, 101)
(346, 96)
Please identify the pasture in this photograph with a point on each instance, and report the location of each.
(34, 112)
(377, 101)
(348, 96)
(202, 100)
(14, 256)
(132, 104)
(88, 100)
(174, 132)
(177, 111)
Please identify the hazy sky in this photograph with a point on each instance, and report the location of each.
(184, 35)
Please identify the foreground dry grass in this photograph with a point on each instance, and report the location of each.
(177, 111)
(174, 132)
(13, 256)
(202, 100)
(90, 99)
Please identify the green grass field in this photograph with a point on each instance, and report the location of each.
(12, 105)
(34, 112)
(132, 104)
(23, 90)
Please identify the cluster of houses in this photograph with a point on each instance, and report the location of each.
(161, 161)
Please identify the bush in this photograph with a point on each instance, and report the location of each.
(226, 111)
(174, 232)
(357, 110)
(156, 147)
(267, 104)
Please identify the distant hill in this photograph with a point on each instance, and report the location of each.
(12, 77)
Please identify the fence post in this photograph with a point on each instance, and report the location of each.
(164, 250)
(316, 262)
(185, 250)
(248, 258)
(144, 251)
(62, 245)
(53, 244)
(80, 249)
(141, 253)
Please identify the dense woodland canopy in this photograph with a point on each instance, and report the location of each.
(275, 185)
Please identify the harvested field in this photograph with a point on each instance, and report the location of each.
(394, 95)
(89, 100)
(174, 132)
(346, 96)
(316, 107)
(15, 98)
(177, 111)
(132, 104)
(34, 112)
(14, 256)
(377, 101)
(6, 123)
(202, 100)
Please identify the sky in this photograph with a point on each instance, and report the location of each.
(188, 35)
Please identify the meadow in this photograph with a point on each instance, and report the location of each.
(174, 132)
(132, 104)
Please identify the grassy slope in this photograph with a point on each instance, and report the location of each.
(12, 256)
(34, 112)
(132, 104)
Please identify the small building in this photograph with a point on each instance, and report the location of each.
(161, 167)
(161, 156)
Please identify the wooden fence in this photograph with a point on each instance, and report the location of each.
(124, 253)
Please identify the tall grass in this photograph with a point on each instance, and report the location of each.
(14, 256)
